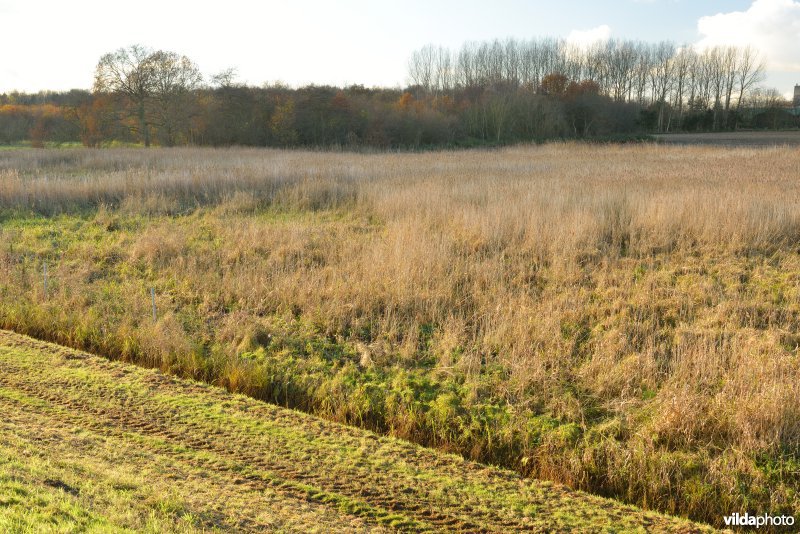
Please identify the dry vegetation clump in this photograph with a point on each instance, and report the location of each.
(625, 319)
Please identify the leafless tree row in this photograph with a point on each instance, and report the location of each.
(652, 74)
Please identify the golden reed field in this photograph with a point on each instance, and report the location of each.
(621, 318)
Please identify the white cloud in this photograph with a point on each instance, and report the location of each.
(771, 26)
(589, 37)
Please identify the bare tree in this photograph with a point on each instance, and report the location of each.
(770, 103)
(620, 60)
(683, 65)
(225, 78)
(641, 72)
(157, 85)
(128, 72)
(661, 77)
(513, 62)
(442, 70)
(749, 72)
(713, 79)
(729, 69)
(421, 67)
(174, 78)
(466, 71)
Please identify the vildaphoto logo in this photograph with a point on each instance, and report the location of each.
(758, 521)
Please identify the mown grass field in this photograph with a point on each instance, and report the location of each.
(621, 319)
(96, 446)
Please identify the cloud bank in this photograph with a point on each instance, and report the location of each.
(771, 26)
(589, 37)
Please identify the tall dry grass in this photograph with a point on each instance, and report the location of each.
(646, 298)
(555, 198)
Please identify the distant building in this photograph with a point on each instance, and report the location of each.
(796, 101)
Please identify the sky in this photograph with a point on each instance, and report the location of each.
(55, 45)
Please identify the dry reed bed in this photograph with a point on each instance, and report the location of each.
(562, 196)
(645, 298)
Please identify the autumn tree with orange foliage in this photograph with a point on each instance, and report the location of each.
(96, 119)
(554, 84)
(38, 123)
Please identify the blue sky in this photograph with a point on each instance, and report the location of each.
(56, 44)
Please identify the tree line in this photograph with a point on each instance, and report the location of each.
(491, 92)
(670, 80)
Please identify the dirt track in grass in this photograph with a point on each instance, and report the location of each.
(89, 444)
